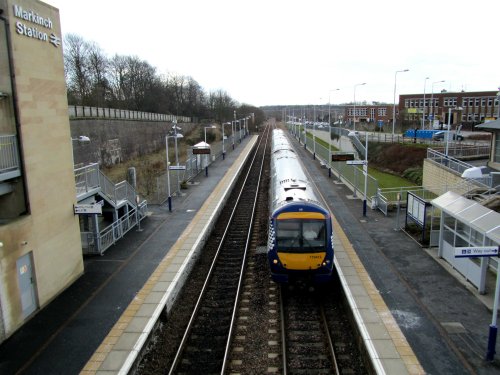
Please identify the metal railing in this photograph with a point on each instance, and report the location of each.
(9, 157)
(97, 244)
(76, 111)
(350, 175)
(90, 179)
(460, 150)
(455, 165)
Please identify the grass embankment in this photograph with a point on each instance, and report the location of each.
(392, 164)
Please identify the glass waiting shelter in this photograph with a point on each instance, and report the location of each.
(466, 223)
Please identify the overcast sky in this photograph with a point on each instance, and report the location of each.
(269, 52)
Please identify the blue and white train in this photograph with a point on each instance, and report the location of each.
(300, 228)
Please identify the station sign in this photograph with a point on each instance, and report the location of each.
(342, 156)
(177, 167)
(201, 151)
(355, 162)
(479, 251)
(93, 208)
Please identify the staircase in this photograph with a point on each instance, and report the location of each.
(122, 209)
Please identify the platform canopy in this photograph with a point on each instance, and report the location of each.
(201, 145)
(490, 125)
(469, 212)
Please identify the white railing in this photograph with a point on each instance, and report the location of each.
(97, 244)
(77, 111)
(9, 154)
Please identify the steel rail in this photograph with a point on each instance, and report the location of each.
(189, 327)
(243, 264)
(329, 339)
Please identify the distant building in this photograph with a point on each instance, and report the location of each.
(466, 108)
(378, 114)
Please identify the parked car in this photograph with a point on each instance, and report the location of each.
(439, 136)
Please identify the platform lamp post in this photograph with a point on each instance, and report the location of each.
(423, 110)
(239, 131)
(431, 111)
(168, 169)
(177, 135)
(206, 164)
(492, 337)
(394, 100)
(330, 133)
(223, 148)
(354, 114)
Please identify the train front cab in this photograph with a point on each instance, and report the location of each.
(300, 244)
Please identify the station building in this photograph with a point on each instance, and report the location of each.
(40, 245)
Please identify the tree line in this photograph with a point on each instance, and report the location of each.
(127, 82)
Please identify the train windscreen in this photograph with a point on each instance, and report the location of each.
(301, 236)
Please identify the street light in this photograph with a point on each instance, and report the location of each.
(330, 133)
(365, 166)
(449, 125)
(168, 168)
(176, 135)
(394, 100)
(358, 84)
(423, 110)
(431, 112)
(223, 149)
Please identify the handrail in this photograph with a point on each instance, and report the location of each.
(9, 155)
(90, 178)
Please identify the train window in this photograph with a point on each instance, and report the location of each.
(301, 235)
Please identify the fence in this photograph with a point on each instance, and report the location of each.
(458, 166)
(76, 111)
(387, 199)
(351, 175)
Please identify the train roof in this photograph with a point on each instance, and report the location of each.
(289, 183)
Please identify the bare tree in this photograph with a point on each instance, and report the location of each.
(98, 70)
(76, 54)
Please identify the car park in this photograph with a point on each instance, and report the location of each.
(439, 136)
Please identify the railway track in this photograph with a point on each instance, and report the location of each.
(205, 343)
(238, 331)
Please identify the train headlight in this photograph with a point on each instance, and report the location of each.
(275, 261)
(326, 262)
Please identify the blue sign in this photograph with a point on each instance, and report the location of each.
(479, 251)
